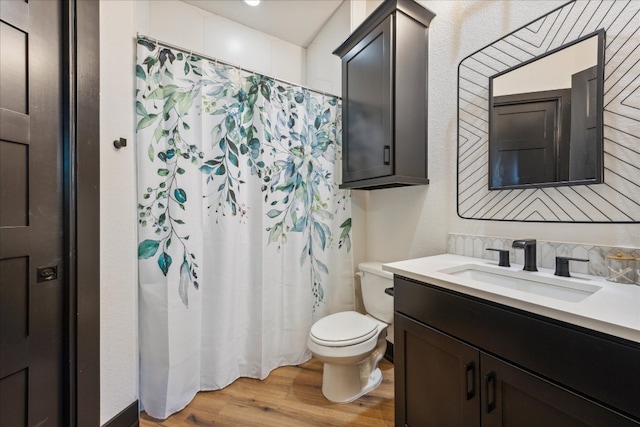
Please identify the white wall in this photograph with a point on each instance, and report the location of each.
(413, 222)
(551, 72)
(118, 223)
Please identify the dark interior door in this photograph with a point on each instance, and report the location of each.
(526, 136)
(32, 280)
(584, 119)
(523, 144)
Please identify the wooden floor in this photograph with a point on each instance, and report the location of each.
(290, 396)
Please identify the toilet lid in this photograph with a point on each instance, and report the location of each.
(343, 329)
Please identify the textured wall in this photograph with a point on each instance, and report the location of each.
(118, 224)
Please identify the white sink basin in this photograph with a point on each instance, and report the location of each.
(571, 290)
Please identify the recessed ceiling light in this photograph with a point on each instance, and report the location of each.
(252, 2)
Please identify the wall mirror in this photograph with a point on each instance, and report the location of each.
(545, 118)
(610, 190)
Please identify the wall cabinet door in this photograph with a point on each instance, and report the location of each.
(437, 378)
(512, 397)
(384, 92)
(367, 119)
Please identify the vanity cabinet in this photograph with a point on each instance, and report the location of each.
(463, 361)
(384, 90)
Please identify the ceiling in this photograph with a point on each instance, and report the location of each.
(295, 21)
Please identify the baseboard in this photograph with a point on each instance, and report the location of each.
(128, 417)
(388, 354)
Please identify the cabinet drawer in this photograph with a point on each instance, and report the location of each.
(602, 367)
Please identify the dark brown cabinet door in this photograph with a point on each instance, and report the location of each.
(32, 336)
(437, 378)
(384, 92)
(512, 397)
(367, 119)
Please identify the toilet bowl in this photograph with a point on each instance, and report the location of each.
(351, 344)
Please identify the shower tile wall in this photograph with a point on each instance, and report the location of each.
(475, 246)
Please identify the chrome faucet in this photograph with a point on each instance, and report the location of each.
(529, 246)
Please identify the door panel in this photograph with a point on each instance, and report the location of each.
(437, 378)
(515, 398)
(367, 113)
(13, 69)
(526, 138)
(32, 334)
(584, 119)
(13, 399)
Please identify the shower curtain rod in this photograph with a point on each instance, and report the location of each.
(220, 61)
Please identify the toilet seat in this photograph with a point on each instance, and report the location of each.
(343, 329)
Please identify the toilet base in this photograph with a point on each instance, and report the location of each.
(344, 383)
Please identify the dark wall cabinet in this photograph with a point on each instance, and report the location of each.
(461, 361)
(384, 90)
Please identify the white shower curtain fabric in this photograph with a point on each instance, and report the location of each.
(244, 236)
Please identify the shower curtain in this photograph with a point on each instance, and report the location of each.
(244, 237)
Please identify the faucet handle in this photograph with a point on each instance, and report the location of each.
(562, 265)
(504, 257)
(521, 243)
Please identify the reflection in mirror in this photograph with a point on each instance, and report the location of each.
(545, 118)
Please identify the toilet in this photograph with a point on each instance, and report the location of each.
(351, 344)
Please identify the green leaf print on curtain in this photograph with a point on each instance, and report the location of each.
(253, 132)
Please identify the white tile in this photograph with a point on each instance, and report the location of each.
(450, 243)
(597, 261)
(580, 251)
(489, 243)
(547, 254)
(323, 68)
(478, 250)
(288, 62)
(239, 45)
(563, 249)
(468, 246)
(459, 246)
(177, 23)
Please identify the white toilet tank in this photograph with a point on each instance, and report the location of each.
(373, 282)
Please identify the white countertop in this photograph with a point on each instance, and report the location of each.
(614, 309)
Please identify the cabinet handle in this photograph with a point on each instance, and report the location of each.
(470, 380)
(387, 155)
(490, 385)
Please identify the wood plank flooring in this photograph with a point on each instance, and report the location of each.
(290, 397)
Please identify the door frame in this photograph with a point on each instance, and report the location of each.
(81, 153)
